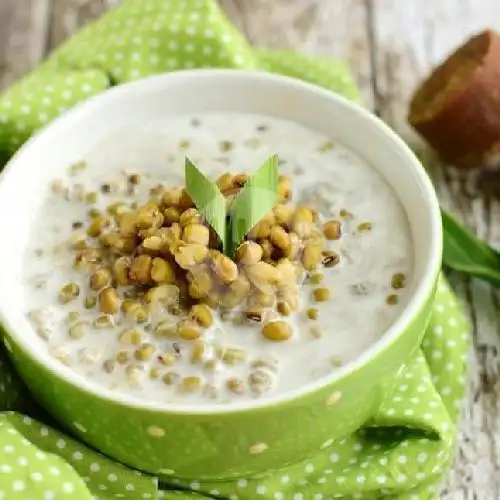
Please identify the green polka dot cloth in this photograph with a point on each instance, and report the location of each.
(403, 456)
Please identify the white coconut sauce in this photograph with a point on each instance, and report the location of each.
(325, 175)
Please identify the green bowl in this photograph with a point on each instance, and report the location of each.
(216, 441)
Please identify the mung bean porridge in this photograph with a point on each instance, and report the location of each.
(125, 283)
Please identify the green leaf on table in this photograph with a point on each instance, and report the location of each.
(208, 200)
(466, 253)
(256, 199)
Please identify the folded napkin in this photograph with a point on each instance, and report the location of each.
(402, 453)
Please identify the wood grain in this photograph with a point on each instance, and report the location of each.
(23, 36)
(390, 45)
(337, 28)
(69, 15)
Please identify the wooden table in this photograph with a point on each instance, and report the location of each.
(390, 45)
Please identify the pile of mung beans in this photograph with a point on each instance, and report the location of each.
(162, 254)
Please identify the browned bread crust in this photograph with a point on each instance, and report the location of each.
(457, 108)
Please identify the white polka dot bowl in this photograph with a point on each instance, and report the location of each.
(215, 441)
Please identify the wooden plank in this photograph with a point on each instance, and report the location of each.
(23, 37)
(334, 28)
(411, 37)
(69, 15)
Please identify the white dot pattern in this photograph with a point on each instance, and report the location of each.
(144, 38)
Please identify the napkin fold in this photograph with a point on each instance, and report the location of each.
(402, 453)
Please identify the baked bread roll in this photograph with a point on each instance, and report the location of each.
(457, 108)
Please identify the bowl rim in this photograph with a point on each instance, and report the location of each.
(417, 301)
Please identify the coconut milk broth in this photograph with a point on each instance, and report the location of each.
(325, 175)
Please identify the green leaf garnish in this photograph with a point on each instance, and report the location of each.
(256, 199)
(208, 200)
(465, 252)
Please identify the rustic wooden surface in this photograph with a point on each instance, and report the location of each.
(390, 45)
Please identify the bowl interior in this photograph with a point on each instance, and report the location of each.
(46, 156)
